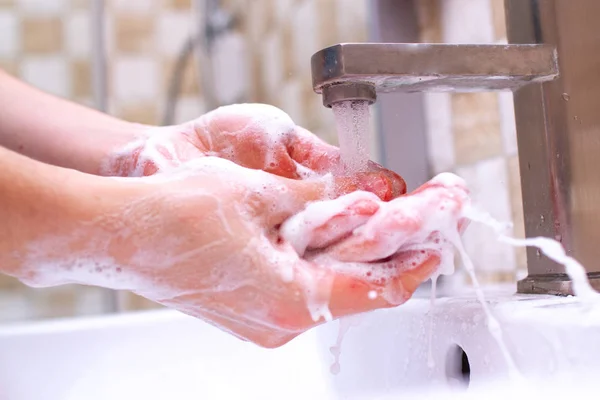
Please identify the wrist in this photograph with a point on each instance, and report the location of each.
(50, 214)
(113, 139)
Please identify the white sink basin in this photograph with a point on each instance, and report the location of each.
(166, 355)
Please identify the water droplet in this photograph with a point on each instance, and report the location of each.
(335, 368)
(542, 218)
(566, 97)
(538, 253)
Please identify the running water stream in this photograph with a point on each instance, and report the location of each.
(352, 123)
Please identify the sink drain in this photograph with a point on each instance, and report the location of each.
(458, 368)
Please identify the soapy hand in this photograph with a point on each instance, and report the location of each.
(255, 136)
(222, 230)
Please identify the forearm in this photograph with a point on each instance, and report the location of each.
(39, 201)
(56, 131)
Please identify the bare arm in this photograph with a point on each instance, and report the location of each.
(40, 200)
(56, 131)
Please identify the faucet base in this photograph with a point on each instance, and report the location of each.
(553, 284)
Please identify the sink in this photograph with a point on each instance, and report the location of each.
(388, 354)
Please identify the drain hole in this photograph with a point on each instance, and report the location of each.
(458, 368)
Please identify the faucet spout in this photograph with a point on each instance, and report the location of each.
(356, 71)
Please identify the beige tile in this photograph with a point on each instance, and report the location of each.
(492, 277)
(143, 113)
(7, 3)
(327, 21)
(10, 66)
(498, 19)
(42, 35)
(179, 4)
(430, 23)
(10, 283)
(132, 302)
(57, 302)
(81, 78)
(476, 127)
(287, 52)
(352, 20)
(305, 37)
(516, 204)
(189, 84)
(134, 33)
(272, 63)
(260, 19)
(258, 93)
(81, 4)
(311, 117)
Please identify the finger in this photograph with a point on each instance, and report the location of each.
(380, 183)
(263, 137)
(384, 227)
(382, 236)
(360, 287)
(412, 220)
(312, 152)
(322, 223)
(251, 135)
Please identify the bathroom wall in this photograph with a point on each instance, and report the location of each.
(473, 134)
(47, 43)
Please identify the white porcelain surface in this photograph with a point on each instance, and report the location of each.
(163, 354)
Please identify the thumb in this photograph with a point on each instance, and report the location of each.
(294, 195)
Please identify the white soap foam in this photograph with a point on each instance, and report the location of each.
(416, 226)
(352, 122)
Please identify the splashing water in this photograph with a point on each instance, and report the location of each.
(492, 323)
(352, 123)
(336, 350)
(549, 247)
(430, 360)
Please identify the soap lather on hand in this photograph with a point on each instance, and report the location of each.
(250, 223)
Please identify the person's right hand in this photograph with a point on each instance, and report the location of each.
(207, 239)
(221, 241)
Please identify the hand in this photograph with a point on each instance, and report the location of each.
(207, 239)
(255, 136)
(203, 239)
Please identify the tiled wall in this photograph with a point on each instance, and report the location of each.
(48, 43)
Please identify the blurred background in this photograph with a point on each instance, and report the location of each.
(169, 61)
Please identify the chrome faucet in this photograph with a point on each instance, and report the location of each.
(551, 64)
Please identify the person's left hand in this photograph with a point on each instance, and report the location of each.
(254, 136)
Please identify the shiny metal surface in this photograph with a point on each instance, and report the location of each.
(348, 91)
(553, 284)
(558, 129)
(412, 67)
